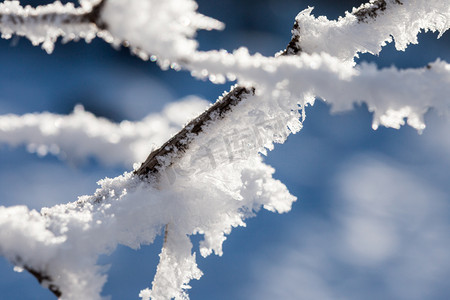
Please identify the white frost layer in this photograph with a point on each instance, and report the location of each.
(30, 22)
(81, 135)
(345, 38)
(163, 29)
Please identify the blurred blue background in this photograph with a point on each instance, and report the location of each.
(373, 216)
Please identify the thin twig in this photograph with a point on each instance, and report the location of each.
(377, 7)
(179, 143)
(45, 279)
(89, 17)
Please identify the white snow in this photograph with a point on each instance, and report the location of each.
(162, 29)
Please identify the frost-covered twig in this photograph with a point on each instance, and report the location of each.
(153, 29)
(65, 240)
(371, 26)
(44, 24)
(373, 9)
(81, 135)
(392, 94)
(177, 145)
(44, 280)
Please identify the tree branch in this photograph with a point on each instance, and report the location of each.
(372, 10)
(52, 17)
(45, 279)
(293, 48)
(178, 144)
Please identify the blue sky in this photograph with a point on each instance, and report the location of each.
(373, 214)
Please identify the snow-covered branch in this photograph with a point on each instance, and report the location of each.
(371, 26)
(175, 147)
(81, 135)
(231, 184)
(156, 30)
(392, 94)
(44, 24)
